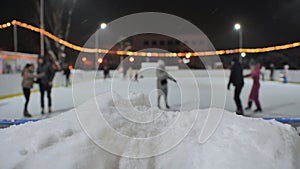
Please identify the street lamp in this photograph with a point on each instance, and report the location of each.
(102, 26)
(83, 59)
(243, 54)
(131, 59)
(238, 27)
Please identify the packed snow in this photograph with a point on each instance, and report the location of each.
(79, 139)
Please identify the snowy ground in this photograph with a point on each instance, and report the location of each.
(278, 100)
(62, 142)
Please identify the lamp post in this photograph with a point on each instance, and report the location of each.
(101, 26)
(238, 27)
(42, 27)
(15, 38)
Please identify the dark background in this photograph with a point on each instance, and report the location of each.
(264, 23)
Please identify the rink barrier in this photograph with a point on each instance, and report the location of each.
(16, 94)
(23, 121)
(17, 121)
(21, 93)
(285, 120)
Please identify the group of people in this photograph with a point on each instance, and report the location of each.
(44, 78)
(237, 79)
(45, 75)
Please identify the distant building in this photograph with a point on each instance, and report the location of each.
(13, 62)
(162, 43)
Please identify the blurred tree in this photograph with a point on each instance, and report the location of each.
(58, 17)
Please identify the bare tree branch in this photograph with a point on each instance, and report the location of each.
(58, 17)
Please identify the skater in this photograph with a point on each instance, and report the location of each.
(285, 73)
(130, 72)
(124, 72)
(136, 76)
(254, 94)
(27, 84)
(263, 72)
(162, 83)
(106, 71)
(67, 73)
(237, 79)
(45, 83)
(272, 72)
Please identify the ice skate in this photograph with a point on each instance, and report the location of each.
(27, 114)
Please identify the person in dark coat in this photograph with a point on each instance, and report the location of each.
(237, 79)
(272, 72)
(67, 73)
(27, 84)
(45, 82)
(254, 94)
(106, 71)
(162, 82)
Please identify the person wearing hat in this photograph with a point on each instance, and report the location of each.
(27, 83)
(236, 78)
(162, 82)
(45, 83)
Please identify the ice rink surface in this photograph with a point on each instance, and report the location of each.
(78, 138)
(277, 99)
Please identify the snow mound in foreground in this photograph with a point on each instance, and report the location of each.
(61, 143)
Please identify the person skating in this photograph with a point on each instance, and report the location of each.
(263, 72)
(27, 84)
(106, 71)
(67, 73)
(45, 83)
(254, 94)
(236, 78)
(286, 68)
(162, 82)
(272, 72)
(130, 72)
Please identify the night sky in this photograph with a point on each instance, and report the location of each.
(265, 22)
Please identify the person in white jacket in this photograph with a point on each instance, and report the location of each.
(28, 77)
(162, 82)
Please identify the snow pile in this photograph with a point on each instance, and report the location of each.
(61, 143)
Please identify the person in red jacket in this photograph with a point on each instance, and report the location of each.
(254, 94)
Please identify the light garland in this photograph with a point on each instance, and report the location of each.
(155, 54)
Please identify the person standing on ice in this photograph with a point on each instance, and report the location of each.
(106, 71)
(162, 82)
(27, 84)
(67, 73)
(285, 73)
(236, 78)
(45, 82)
(263, 72)
(272, 72)
(254, 94)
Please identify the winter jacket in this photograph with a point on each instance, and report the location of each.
(236, 75)
(28, 78)
(162, 79)
(45, 68)
(255, 74)
(67, 72)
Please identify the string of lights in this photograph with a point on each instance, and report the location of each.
(155, 54)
